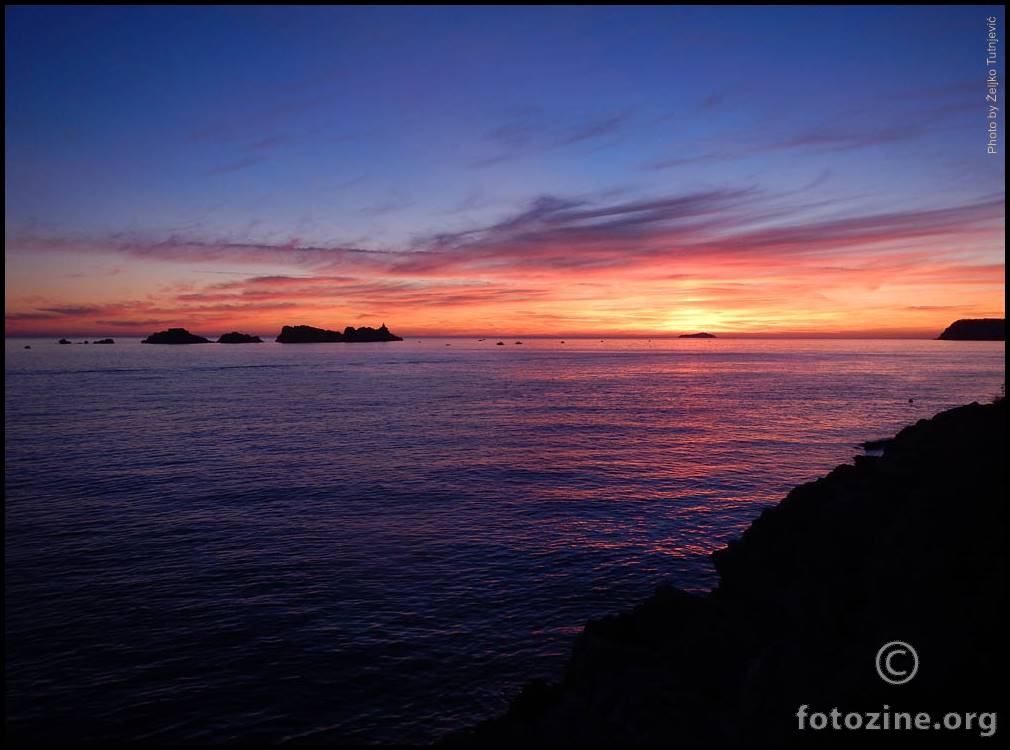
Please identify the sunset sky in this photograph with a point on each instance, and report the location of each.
(505, 170)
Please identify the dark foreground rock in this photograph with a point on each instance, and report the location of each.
(174, 336)
(311, 335)
(239, 338)
(696, 336)
(975, 329)
(65, 341)
(907, 546)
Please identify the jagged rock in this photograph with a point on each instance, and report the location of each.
(239, 338)
(368, 334)
(696, 336)
(311, 335)
(975, 329)
(65, 341)
(175, 336)
(104, 341)
(307, 335)
(907, 546)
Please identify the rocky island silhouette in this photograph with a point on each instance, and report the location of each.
(289, 335)
(175, 336)
(239, 338)
(303, 334)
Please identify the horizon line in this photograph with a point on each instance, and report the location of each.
(602, 335)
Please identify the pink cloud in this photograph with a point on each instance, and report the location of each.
(731, 254)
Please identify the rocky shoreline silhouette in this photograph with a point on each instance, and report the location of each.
(906, 545)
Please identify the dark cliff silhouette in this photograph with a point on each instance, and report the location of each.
(311, 335)
(175, 336)
(975, 329)
(904, 546)
(239, 338)
(696, 336)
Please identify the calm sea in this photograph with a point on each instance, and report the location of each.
(381, 542)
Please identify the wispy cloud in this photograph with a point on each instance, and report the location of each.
(235, 166)
(564, 233)
(594, 128)
(531, 130)
(391, 202)
(714, 254)
(192, 249)
(826, 139)
(267, 143)
(829, 139)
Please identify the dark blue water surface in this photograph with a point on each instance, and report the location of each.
(381, 542)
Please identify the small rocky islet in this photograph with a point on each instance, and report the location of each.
(239, 338)
(175, 336)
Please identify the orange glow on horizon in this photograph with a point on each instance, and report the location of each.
(903, 274)
(778, 306)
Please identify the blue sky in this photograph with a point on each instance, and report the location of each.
(387, 128)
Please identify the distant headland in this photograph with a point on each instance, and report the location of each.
(975, 329)
(311, 335)
(696, 336)
(175, 336)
